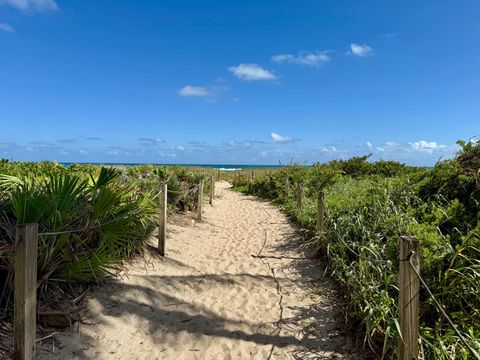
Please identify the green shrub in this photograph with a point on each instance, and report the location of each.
(369, 206)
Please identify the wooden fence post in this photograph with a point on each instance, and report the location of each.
(408, 299)
(162, 225)
(212, 189)
(25, 297)
(321, 216)
(253, 176)
(200, 200)
(287, 186)
(299, 196)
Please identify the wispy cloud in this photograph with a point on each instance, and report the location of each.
(7, 27)
(330, 149)
(32, 5)
(282, 139)
(417, 149)
(67, 141)
(191, 90)
(251, 72)
(42, 143)
(94, 138)
(360, 50)
(316, 59)
(387, 35)
(243, 143)
(146, 141)
(43, 146)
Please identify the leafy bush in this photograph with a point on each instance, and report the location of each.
(368, 207)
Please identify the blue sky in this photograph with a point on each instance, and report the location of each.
(237, 82)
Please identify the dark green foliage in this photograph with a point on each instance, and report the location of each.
(90, 218)
(368, 207)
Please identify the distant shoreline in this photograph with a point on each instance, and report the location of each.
(210, 166)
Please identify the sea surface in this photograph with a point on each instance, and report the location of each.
(225, 167)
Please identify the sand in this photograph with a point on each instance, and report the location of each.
(209, 298)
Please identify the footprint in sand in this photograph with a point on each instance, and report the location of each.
(210, 299)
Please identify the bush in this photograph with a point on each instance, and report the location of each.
(368, 207)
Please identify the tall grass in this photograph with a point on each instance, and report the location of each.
(368, 207)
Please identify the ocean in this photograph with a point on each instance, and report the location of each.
(224, 167)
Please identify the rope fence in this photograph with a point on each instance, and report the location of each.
(26, 242)
(442, 311)
(26, 252)
(408, 290)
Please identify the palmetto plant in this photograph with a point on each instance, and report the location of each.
(87, 224)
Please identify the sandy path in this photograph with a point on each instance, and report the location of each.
(209, 298)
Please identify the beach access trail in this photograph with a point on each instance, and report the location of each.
(233, 286)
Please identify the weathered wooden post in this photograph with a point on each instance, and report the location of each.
(212, 189)
(200, 200)
(253, 176)
(287, 186)
(299, 196)
(321, 216)
(25, 298)
(162, 223)
(408, 298)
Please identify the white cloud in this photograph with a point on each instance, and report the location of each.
(32, 5)
(209, 93)
(7, 27)
(190, 90)
(360, 50)
(421, 149)
(251, 72)
(427, 146)
(310, 59)
(329, 149)
(281, 138)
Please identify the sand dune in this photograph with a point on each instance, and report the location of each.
(209, 298)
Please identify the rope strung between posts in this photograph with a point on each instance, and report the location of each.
(177, 191)
(436, 302)
(81, 229)
(157, 195)
(78, 230)
(442, 311)
(375, 261)
(183, 192)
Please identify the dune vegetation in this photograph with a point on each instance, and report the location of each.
(91, 219)
(369, 206)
